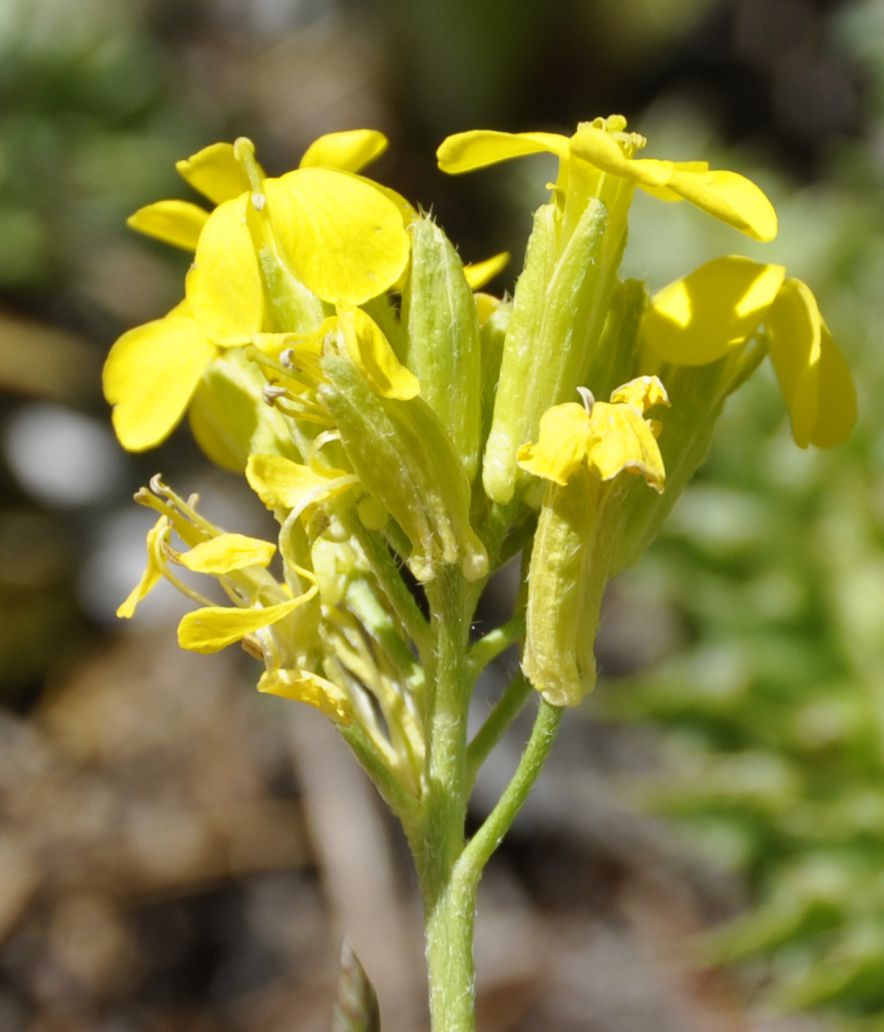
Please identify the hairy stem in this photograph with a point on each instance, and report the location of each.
(480, 847)
(448, 912)
(491, 645)
(504, 712)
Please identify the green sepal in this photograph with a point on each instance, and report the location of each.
(492, 334)
(523, 334)
(566, 581)
(403, 456)
(616, 359)
(441, 339)
(230, 419)
(291, 306)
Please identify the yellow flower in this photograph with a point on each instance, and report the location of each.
(715, 309)
(606, 438)
(343, 236)
(579, 450)
(152, 370)
(157, 542)
(575, 248)
(218, 555)
(239, 564)
(217, 173)
(603, 148)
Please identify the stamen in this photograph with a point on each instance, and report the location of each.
(588, 399)
(272, 392)
(252, 647)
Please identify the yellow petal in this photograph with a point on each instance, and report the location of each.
(486, 306)
(283, 484)
(602, 150)
(697, 319)
(837, 406)
(814, 378)
(642, 393)
(622, 440)
(229, 417)
(344, 238)
(663, 193)
(215, 172)
(562, 445)
(370, 350)
(150, 376)
(348, 151)
(480, 273)
(406, 209)
(157, 537)
(213, 628)
(178, 223)
(478, 148)
(728, 196)
(228, 552)
(224, 285)
(303, 686)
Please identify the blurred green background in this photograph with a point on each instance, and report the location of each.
(178, 854)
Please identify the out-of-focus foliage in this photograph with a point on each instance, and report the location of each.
(774, 699)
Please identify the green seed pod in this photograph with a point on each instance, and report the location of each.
(558, 312)
(403, 456)
(442, 338)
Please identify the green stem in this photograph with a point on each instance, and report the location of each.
(450, 914)
(491, 645)
(505, 710)
(480, 847)
(449, 870)
(449, 933)
(448, 910)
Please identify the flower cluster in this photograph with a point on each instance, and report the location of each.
(332, 347)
